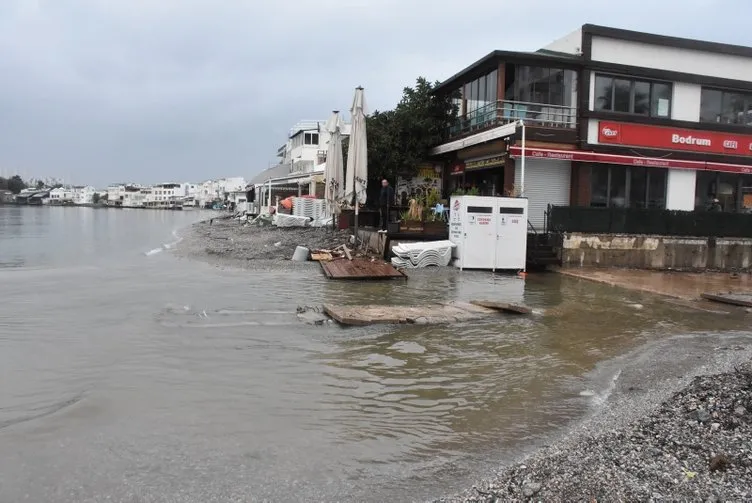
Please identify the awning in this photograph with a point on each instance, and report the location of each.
(476, 139)
(629, 160)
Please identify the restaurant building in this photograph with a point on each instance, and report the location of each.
(615, 118)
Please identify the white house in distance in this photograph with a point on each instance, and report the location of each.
(61, 195)
(83, 194)
(302, 162)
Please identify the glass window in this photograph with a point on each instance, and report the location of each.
(746, 193)
(657, 179)
(641, 98)
(705, 189)
(733, 108)
(482, 92)
(598, 186)
(660, 100)
(618, 185)
(728, 191)
(638, 189)
(604, 92)
(622, 95)
(491, 85)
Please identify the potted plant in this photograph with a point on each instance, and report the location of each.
(411, 220)
(433, 222)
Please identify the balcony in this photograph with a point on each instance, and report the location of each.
(503, 112)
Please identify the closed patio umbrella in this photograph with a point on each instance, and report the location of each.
(334, 173)
(357, 155)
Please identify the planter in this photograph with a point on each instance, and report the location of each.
(411, 227)
(435, 228)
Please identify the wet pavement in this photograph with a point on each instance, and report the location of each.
(679, 285)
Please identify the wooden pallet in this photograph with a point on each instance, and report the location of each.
(360, 269)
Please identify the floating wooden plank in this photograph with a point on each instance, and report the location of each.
(502, 306)
(734, 299)
(361, 315)
(360, 268)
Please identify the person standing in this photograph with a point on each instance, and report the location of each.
(385, 202)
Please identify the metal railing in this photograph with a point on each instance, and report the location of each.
(649, 221)
(504, 112)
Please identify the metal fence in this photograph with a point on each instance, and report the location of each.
(648, 221)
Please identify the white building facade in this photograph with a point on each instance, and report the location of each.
(667, 122)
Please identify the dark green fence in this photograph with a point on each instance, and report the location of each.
(648, 221)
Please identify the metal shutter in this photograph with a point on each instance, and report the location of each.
(546, 182)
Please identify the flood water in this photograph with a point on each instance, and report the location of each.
(129, 374)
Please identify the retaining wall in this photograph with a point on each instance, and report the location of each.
(656, 252)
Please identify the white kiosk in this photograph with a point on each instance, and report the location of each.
(490, 232)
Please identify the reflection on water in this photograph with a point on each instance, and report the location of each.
(177, 377)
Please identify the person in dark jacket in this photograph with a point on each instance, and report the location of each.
(385, 202)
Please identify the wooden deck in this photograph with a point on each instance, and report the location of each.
(450, 312)
(734, 299)
(360, 269)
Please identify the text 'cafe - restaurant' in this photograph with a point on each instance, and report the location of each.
(637, 165)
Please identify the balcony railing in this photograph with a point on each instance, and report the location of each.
(504, 112)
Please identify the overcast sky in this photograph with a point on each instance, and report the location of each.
(95, 91)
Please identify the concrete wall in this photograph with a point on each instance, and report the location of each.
(670, 58)
(656, 252)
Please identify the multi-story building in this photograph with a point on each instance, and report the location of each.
(61, 195)
(83, 194)
(612, 118)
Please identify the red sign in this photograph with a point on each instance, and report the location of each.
(458, 169)
(648, 162)
(668, 138)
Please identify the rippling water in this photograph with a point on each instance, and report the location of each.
(138, 376)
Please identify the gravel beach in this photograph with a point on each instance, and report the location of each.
(234, 241)
(677, 427)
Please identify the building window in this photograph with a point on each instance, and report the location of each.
(632, 96)
(537, 85)
(726, 107)
(614, 186)
(311, 138)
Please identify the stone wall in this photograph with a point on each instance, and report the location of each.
(656, 252)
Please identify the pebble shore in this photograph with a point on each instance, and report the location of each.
(235, 241)
(694, 445)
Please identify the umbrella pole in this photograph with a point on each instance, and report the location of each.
(356, 223)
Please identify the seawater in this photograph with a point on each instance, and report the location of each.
(130, 374)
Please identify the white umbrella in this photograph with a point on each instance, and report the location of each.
(357, 155)
(335, 166)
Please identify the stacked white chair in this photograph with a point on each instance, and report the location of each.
(307, 207)
(417, 255)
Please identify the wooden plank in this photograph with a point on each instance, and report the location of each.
(502, 306)
(361, 315)
(734, 299)
(360, 268)
(319, 257)
(347, 252)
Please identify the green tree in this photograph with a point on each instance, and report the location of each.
(95, 198)
(401, 139)
(40, 184)
(3, 183)
(16, 184)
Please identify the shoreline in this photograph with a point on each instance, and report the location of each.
(638, 443)
(644, 439)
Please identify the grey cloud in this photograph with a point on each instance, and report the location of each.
(99, 90)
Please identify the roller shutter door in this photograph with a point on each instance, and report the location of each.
(546, 182)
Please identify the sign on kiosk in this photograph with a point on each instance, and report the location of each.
(668, 138)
